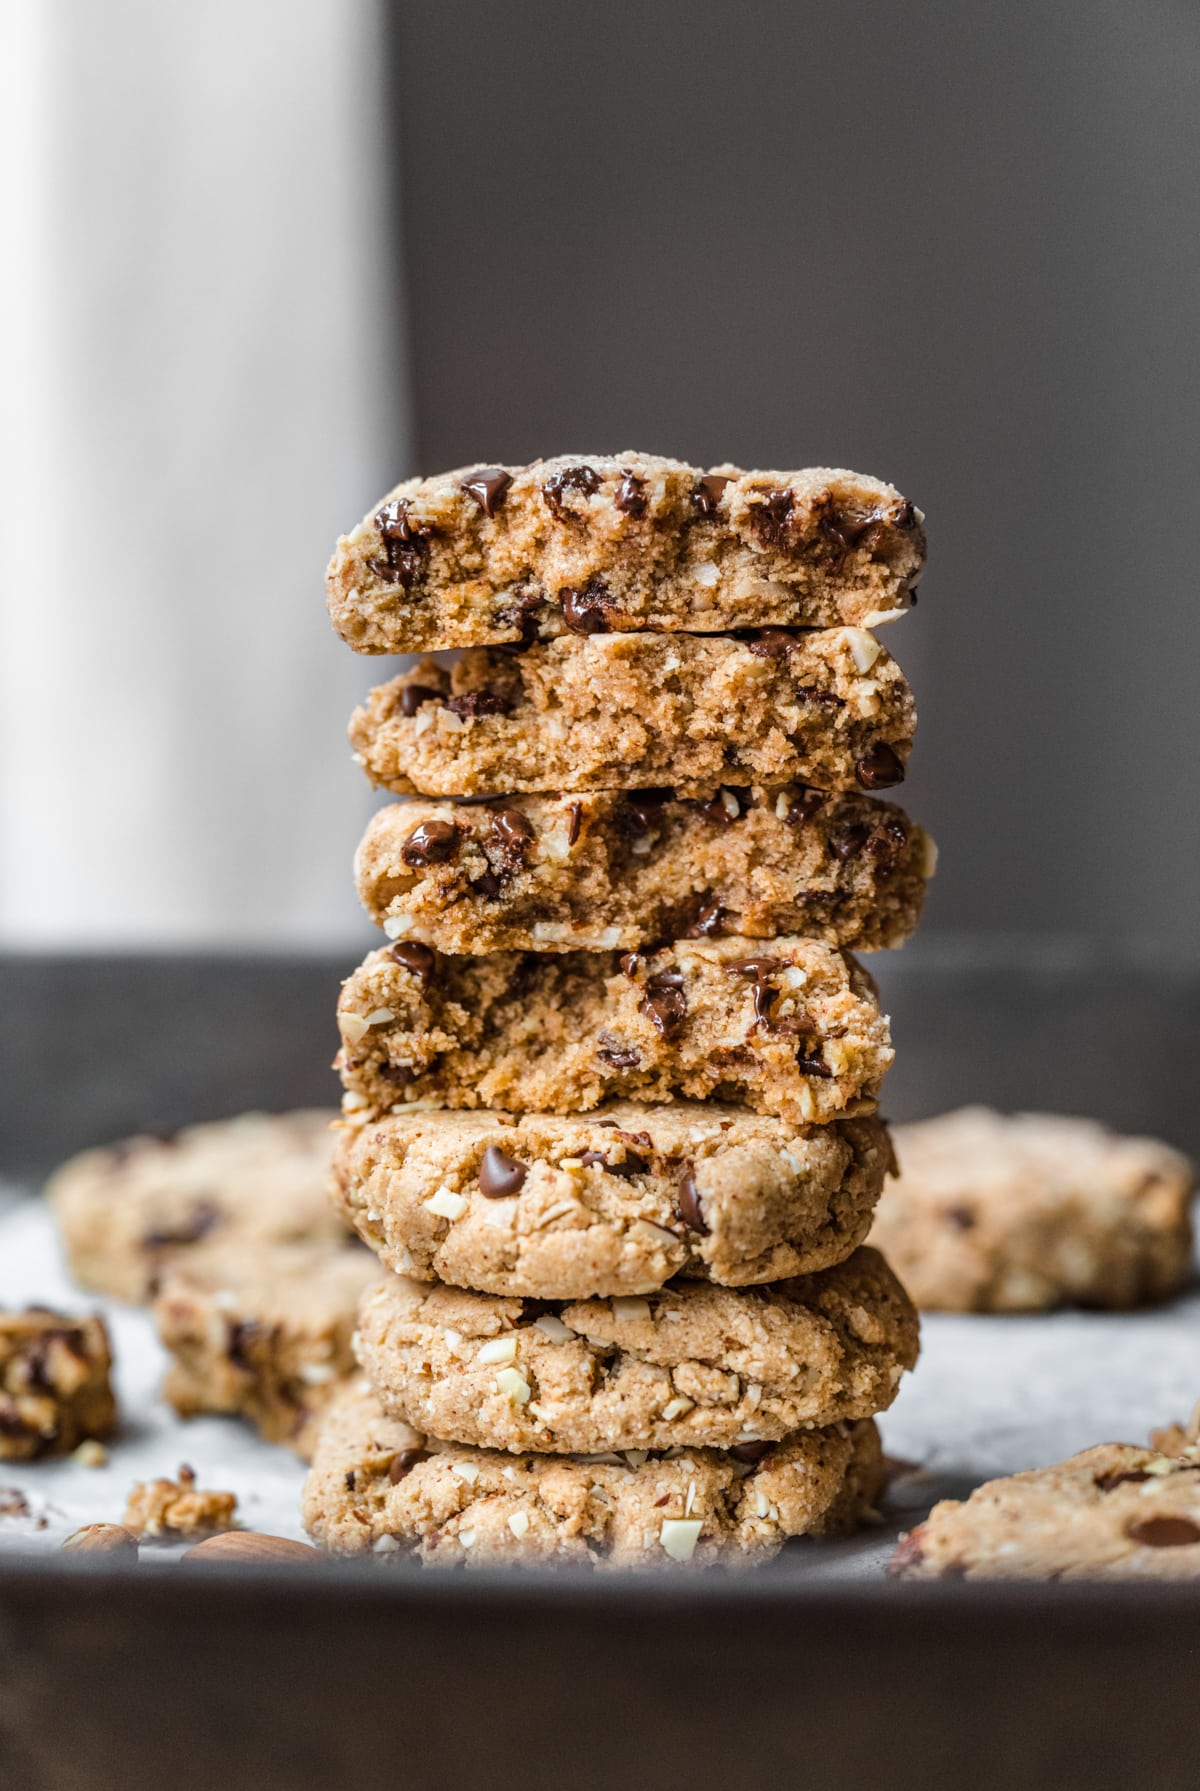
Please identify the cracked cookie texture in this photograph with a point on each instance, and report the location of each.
(624, 870)
(128, 1211)
(379, 1487)
(613, 1202)
(994, 1212)
(1115, 1512)
(623, 711)
(629, 541)
(794, 1030)
(264, 1335)
(688, 1366)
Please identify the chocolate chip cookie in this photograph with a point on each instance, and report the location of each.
(1017, 1213)
(1115, 1512)
(687, 1366)
(128, 1211)
(626, 711)
(264, 1334)
(793, 1029)
(379, 1487)
(55, 1383)
(491, 554)
(614, 1202)
(612, 870)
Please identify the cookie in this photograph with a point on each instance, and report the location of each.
(793, 1029)
(616, 1202)
(1018, 1213)
(128, 1211)
(623, 871)
(688, 1366)
(55, 1383)
(630, 541)
(1115, 1512)
(623, 711)
(378, 1487)
(264, 1334)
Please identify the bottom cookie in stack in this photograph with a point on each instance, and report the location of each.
(377, 1486)
(695, 1424)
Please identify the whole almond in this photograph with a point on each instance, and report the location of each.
(102, 1539)
(250, 1545)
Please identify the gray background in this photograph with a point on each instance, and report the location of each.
(955, 246)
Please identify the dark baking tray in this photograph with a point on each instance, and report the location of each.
(341, 1678)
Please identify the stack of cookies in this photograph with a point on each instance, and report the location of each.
(611, 1089)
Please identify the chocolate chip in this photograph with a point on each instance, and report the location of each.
(814, 1066)
(419, 960)
(1107, 1482)
(204, 1217)
(630, 963)
(887, 845)
(804, 807)
(709, 922)
(961, 1217)
(809, 693)
(631, 495)
(750, 1452)
(488, 487)
(639, 810)
(1164, 1532)
(243, 1335)
(630, 1166)
(771, 643)
(880, 768)
(723, 809)
(351, 1481)
(665, 1001)
(413, 696)
(479, 702)
(575, 812)
(615, 1053)
(706, 492)
(433, 842)
(755, 968)
(403, 1462)
(770, 514)
(846, 528)
(500, 1174)
(393, 522)
(848, 842)
(687, 1204)
(522, 615)
(404, 543)
(583, 479)
(488, 884)
(586, 610)
(512, 835)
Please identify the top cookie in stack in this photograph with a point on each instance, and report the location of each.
(643, 830)
(494, 554)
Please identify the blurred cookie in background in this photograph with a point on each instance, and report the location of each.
(128, 1211)
(994, 1212)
